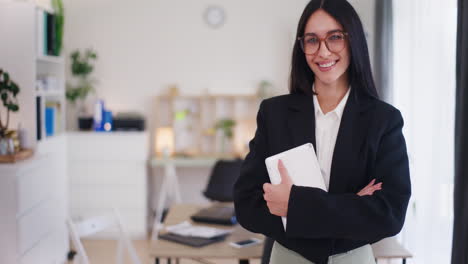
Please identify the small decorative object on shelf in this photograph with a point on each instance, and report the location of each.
(173, 90)
(9, 145)
(226, 126)
(264, 90)
(8, 92)
(81, 69)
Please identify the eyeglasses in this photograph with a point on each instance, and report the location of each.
(334, 41)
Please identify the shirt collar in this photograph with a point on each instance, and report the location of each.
(339, 109)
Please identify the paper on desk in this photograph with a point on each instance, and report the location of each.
(187, 229)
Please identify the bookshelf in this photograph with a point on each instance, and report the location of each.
(34, 200)
(193, 120)
(25, 57)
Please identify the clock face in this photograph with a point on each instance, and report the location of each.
(214, 16)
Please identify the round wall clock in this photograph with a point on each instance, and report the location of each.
(214, 16)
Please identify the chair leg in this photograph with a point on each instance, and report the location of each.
(156, 261)
(243, 261)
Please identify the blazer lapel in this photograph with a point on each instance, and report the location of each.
(301, 120)
(349, 142)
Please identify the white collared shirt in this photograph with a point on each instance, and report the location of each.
(326, 131)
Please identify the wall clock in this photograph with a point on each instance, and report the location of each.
(214, 16)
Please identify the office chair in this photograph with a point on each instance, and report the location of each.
(222, 178)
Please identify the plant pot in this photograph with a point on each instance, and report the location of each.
(85, 123)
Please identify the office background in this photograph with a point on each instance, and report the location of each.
(146, 46)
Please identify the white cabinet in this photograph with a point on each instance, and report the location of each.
(109, 170)
(33, 208)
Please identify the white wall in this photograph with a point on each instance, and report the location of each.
(146, 45)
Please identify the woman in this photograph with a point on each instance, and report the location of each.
(358, 139)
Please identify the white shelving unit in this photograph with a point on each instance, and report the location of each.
(33, 193)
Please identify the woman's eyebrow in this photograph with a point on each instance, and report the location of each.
(315, 34)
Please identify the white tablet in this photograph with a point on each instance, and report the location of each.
(302, 166)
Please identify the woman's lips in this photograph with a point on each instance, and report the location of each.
(328, 66)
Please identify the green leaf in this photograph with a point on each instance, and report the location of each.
(14, 89)
(14, 107)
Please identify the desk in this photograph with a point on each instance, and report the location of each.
(179, 213)
(390, 248)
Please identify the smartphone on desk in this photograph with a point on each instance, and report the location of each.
(246, 242)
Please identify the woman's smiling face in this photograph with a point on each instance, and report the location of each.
(328, 66)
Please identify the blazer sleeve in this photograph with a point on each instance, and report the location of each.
(251, 209)
(349, 216)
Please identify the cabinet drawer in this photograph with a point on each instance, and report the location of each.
(36, 224)
(107, 172)
(117, 146)
(34, 185)
(50, 250)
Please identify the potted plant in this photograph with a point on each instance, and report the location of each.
(59, 24)
(81, 69)
(8, 92)
(226, 126)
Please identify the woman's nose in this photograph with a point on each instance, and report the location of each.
(323, 50)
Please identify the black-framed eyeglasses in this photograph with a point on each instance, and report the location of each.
(335, 42)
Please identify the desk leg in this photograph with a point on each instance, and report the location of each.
(404, 261)
(156, 261)
(169, 261)
(243, 261)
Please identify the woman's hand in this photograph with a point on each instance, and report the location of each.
(370, 188)
(277, 196)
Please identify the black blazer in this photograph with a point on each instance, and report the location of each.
(369, 145)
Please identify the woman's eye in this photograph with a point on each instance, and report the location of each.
(312, 40)
(336, 37)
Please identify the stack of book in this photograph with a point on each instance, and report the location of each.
(47, 34)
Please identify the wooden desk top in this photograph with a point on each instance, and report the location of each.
(179, 213)
(386, 248)
(390, 248)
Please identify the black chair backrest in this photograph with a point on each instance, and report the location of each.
(221, 183)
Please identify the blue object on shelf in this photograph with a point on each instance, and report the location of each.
(107, 120)
(50, 121)
(99, 116)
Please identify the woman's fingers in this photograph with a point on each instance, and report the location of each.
(370, 183)
(370, 188)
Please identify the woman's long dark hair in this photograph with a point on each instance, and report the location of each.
(359, 70)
